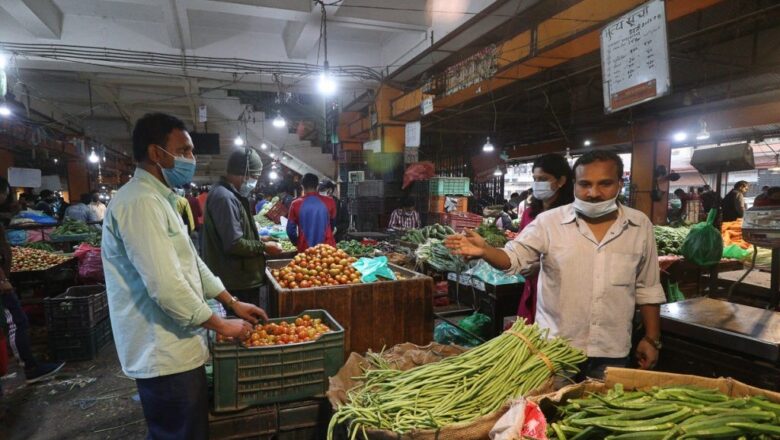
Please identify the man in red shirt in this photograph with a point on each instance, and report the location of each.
(310, 219)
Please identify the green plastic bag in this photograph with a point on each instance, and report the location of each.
(370, 268)
(446, 333)
(478, 324)
(704, 244)
(673, 293)
(735, 252)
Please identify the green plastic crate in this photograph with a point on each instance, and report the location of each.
(253, 423)
(245, 377)
(449, 186)
(304, 420)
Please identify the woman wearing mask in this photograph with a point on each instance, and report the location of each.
(553, 186)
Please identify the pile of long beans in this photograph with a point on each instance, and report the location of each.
(459, 388)
(666, 413)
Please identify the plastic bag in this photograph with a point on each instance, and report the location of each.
(673, 293)
(370, 268)
(704, 244)
(418, 171)
(478, 324)
(491, 275)
(90, 262)
(735, 252)
(523, 420)
(446, 333)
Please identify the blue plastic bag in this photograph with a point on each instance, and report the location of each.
(491, 275)
(370, 268)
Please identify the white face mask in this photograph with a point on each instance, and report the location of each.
(595, 209)
(543, 190)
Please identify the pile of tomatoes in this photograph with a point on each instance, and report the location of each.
(29, 259)
(322, 265)
(303, 329)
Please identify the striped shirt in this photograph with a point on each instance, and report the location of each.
(402, 220)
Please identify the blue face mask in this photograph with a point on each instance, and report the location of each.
(247, 187)
(182, 172)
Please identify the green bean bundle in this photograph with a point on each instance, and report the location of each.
(457, 389)
(666, 413)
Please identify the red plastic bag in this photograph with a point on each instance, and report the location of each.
(523, 420)
(3, 353)
(90, 262)
(418, 171)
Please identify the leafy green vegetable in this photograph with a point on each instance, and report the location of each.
(492, 235)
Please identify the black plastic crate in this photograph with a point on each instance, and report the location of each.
(303, 420)
(79, 308)
(253, 423)
(71, 345)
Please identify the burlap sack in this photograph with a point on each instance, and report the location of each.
(407, 356)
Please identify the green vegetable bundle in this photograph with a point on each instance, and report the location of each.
(439, 257)
(420, 236)
(354, 248)
(666, 413)
(262, 220)
(40, 245)
(94, 240)
(669, 240)
(72, 227)
(459, 388)
(287, 246)
(492, 235)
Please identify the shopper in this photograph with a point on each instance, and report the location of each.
(553, 187)
(733, 205)
(599, 262)
(46, 203)
(328, 189)
(232, 247)
(261, 201)
(13, 315)
(80, 211)
(762, 197)
(197, 213)
(97, 207)
(311, 217)
(158, 286)
(405, 217)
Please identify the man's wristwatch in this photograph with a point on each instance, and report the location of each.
(654, 342)
(232, 301)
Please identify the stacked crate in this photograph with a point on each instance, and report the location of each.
(77, 323)
(434, 195)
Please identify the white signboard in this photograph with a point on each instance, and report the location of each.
(413, 134)
(52, 183)
(203, 113)
(24, 177)
(635, 57)
(375, 146)
(427, 105)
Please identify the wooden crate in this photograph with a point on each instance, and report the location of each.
(373, 315)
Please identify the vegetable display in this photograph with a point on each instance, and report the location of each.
(287, 246)
(666, 413)
(40, 245)
(355, 248)
(459, 388)
(263, 221)
(669, 240)
(303, 329)
(94, 240)
(439, 257)
(420, 236)
(26, 259)
(322, 265)
(72, 227)
(492, 235)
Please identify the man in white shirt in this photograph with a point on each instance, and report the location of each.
(599, 262)
(97, 207)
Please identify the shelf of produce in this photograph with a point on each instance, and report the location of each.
(52, 273)
(374, 315)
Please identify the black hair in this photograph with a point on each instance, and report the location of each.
(45, 194)
(700, 189)
(85, 198)
(556, 165)
(5, 187)
(310, 181)
(679, 190)
(740, 184)
(513, 195)
(600, 156)
(153, 128)
(407, 202)
(326, 185)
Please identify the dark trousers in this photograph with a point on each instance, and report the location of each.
(176, 406)
(18, 330)
(257, 296)
(595, 367)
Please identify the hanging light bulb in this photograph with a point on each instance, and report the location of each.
(326, 84)
(55, 160)
(273, 175)
(498, 172)
(263, 146)
(272, 154)
(238, 141)
(568, 157)
(488, 147)
(279, 121)
(93, 157)
(4, 110)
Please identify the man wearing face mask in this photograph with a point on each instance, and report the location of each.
(232, 247)
(598, 264)
(157, 285)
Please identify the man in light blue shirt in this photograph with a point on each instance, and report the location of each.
(158, 286)
(80, 211)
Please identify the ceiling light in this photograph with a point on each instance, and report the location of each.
(586, 143)
(93, 157)
(680, 136)
(263, 146)
(4, 110)
(272, 154)
(273, 175)
(498, 172)
(326, 84)
(488, 147)
(279, 121)
(238, 141)
(56, 160)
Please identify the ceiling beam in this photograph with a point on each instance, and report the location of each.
(177, 24)
(301, 37)
(111, 96)
(41, 18)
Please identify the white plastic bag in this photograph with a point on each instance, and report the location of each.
(523, 420)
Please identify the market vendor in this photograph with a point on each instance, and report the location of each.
(311, 217)
(232, 247)
(158, 286)
(599, 263)
(733, 204)
(405, 217)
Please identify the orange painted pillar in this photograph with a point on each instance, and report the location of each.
(78, 178)
(649, 151)
(6, 161)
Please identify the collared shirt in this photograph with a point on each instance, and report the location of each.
(588, 291)
(157, 285)
(80, 212)
(98, 210)
(403, 220)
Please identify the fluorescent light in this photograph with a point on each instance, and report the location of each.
(279, 121)
(586, 143)
(273, 175)
(680, 136)
(498, 172)
(238, 141)
(93, 157)
(488, 147)
(326, 85)
(4, 110)
(263, 146)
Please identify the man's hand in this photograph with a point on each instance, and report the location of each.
(266, 239)
(469, 244)
(250, 312)
(234, 328)
(273, 248)
(646, 355)
(6, 287)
